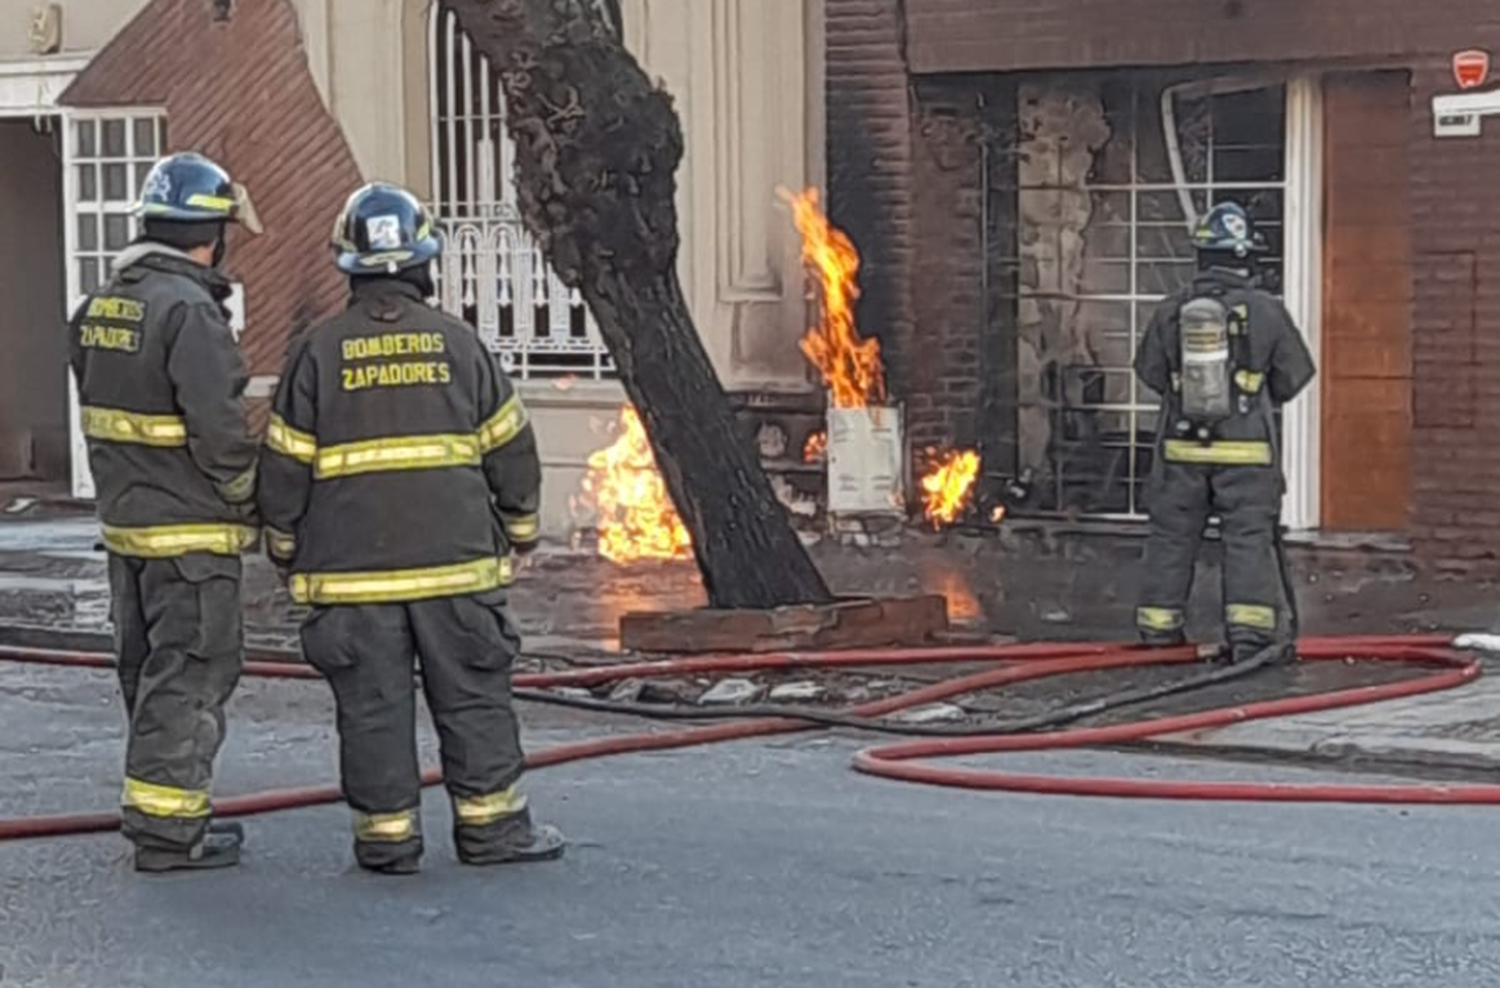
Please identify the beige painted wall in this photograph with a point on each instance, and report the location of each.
(87, 24)
(369, 58)
(33, 382)
(747, 79)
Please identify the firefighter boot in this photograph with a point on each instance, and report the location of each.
(511, 839)
(232, 828)
(218, 849)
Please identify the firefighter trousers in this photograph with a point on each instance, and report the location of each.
(1247, 500)
(467, 647)
(179, 636)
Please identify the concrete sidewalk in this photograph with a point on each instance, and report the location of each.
(1456, 730)
(1031, 583)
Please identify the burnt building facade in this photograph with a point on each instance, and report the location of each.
(1019, 176)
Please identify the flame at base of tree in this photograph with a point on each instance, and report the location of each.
(634, 515)
(948, 486)
(851, 366)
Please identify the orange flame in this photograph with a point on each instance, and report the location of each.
(635, 516)
(949, 485)
(850, 366)
(816, 448)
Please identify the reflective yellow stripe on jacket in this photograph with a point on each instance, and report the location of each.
(431, 452)
(115, 425)
(165, 801)
(394, 586)
(397, 453)
(164, 541)
(290, 442)
(522, 528)
(1228, 453)
(504, 426)
(279, 545)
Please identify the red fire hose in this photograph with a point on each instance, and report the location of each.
(1016, 664)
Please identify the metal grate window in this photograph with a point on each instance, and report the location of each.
(491, 272)
(1153, 176)
(109, 156)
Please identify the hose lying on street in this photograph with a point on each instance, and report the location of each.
(906, 761)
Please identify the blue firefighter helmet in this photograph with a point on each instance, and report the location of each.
(189, 188)
(1228, 229)
(382, 230)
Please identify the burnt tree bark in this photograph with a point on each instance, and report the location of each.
(597, 150)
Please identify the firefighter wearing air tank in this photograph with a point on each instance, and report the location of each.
(159, 379)
(1224, 354)
(401, 478)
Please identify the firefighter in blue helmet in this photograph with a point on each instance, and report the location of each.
(401, 477)
(160, 378)
(1224, 354)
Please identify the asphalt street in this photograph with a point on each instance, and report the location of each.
(758, 863)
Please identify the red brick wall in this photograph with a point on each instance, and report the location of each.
(1007, 35)
(1455, 200)
(242, 93)
(944, 389)
(904, 172)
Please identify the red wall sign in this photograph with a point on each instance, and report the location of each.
(1471, 68)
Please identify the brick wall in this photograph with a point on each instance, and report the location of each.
(948, 213)
(1007, 35)
(242, 93)
(1455, 209)
(904, 167)
(870, 169)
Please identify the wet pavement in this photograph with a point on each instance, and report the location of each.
(738, 866)
(1027, 582)
(1031, 582)
(770, 862)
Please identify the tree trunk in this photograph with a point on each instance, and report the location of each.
(597, 150)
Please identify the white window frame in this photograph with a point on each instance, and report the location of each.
(1302, 216)
(1302, 292)
(73, 206)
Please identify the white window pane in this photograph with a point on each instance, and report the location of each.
(145, 138)
(85, 139)
(114, 139)
(88, 274)
(88, 183)
(88, 232)
(116, 231)
(1164, 277)
(1169, 241)
(117, 183)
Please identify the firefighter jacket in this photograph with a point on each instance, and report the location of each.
(1271, 367)
(160, 380)
(400, 463)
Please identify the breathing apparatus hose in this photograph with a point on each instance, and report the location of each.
(1013, 664)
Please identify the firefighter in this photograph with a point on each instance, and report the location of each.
(160, 379)
(401, 479)
(1224, 355)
